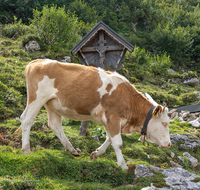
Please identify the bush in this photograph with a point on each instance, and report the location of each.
(15, 30)
(160, 64)
(175, 41)
(54, 25)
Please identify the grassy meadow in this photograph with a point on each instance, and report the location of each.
(49, 166)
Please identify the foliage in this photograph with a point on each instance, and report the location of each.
(100, 131)
(176, 42)
(54, 25)
(16, 29)
(177, 90)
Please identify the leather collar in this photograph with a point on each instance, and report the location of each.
(144, 129)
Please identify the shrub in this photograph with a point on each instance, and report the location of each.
(54, 25)
(177, 42)
(15, 30)
(189, 98)
(160, 64)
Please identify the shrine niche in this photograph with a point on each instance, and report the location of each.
(102, 47)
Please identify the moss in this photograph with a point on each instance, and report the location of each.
(197, 179)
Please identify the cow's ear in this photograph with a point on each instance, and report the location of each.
(157, 110)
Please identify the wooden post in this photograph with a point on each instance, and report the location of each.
(83, 128)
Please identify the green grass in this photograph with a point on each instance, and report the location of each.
(49, 166)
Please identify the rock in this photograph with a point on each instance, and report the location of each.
(142, 170)
(163, 86)
(174, 115)
(67, 59)
(174, 81)
(171, 71)
(192, 82)
(191, 143)
(171, 112)
(192, 117)
(150, 188)
(191, 159)
(195, 123)
(96, 137)
(197, 94)
(181, 159)
(176, 178)
(181, 120)
(197, 114)
(175, 165)
(43, 56)
(172, 155)
(185, 115)
(32, 46)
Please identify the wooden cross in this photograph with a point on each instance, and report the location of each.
(101, 49)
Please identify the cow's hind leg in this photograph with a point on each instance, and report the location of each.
(99, 151)
(55, 123)
(27, 119)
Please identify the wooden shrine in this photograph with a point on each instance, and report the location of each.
(102, 47)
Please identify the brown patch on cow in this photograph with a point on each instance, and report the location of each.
(75, 84)
(120, 147)
(125, 102)
(33, 77)
(109, 72)
(109, 87)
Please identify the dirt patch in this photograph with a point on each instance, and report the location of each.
(3, 141)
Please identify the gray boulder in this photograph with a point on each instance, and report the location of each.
(192, 143)
(176, 178)
(32, 46)
(192, 82)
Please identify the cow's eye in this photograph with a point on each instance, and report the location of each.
(164, 124)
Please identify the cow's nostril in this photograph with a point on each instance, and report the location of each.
(169, 144)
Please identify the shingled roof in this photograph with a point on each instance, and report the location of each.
(102, 26)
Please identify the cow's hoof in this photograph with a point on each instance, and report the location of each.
(93, 155)
(75, 153)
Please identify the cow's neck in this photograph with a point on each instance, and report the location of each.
(140, 108)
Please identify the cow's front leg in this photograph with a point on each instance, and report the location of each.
(99, 151)
(117, 145)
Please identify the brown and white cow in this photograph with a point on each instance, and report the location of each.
(86, 93)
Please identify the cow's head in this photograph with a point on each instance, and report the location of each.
(158, 130)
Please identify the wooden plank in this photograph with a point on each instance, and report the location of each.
(108, 48)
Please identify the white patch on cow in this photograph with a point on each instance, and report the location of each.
(45, 92)
(104, 119)
(97, 114)
(114, 79)
(47, 61)
(117, 144)
(151, 99)
(123, 123)
(46, 88)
